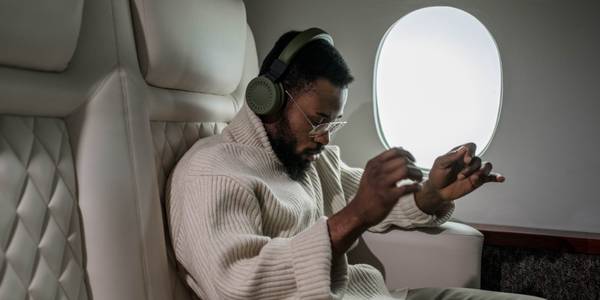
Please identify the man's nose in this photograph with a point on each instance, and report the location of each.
(323, 138)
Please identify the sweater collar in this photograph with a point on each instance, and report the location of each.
(247, 128)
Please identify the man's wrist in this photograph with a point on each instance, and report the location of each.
(344, 228)
(428, 199)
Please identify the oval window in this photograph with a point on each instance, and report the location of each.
(438, 83)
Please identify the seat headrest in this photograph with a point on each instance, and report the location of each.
(39, 35)
(191, 45)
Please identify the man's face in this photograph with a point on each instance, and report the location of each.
(322, 102)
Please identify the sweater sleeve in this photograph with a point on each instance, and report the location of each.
(406, 214)
(366, 282)
(218, 239)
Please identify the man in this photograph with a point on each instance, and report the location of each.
(266, 210)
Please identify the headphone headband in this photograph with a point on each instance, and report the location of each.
(264, 94)
(279, 66)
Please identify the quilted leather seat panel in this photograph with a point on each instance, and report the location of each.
(40, 235)
(173, 139)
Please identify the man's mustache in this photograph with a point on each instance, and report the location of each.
(314, 151)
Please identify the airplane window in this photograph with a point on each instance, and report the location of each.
(437, 83)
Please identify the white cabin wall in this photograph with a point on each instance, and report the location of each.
(548, 137)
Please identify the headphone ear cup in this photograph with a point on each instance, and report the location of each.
(264, 96)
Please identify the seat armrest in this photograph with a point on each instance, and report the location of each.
(445, 256)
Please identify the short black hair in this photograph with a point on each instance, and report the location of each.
(317, 59)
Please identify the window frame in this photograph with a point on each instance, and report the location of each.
(480, 150)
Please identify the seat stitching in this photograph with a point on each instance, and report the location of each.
(159, 147)
(33, 141)
(9, 146)
(173, 152)
(37, 189)
(8, 264)
(39, 254)
(164, 164)
(57, 170)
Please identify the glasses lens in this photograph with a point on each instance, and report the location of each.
(330, 128)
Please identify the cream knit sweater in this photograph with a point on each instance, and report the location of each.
(241, 229)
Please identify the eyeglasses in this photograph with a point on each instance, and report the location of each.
(322, 128)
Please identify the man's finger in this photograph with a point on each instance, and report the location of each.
(487, 168)
(408, 172)
(473, 167)
(483, 175)
(407, 154)
(394, 164)
(472, 147)
(395, 152)
(387, 154)
(414, 173)
(391, 178)
(398, 152)
(494, 177)
(449, 158)
(398, 192)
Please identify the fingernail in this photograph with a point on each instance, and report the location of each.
(468, 159)
(461, 148)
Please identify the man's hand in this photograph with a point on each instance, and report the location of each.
(377, 192)
(453, 175)
(376, 196)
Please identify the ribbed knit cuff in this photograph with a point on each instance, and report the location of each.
(312, 261)
(406, 214)
(445, 213)
(417, 217)
(408, 205)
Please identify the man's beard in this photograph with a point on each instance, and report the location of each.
(284, 145)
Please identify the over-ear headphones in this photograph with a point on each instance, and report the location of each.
(264, 94)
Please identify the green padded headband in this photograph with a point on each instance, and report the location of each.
(279, 66)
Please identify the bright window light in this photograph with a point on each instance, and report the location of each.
(438, 83)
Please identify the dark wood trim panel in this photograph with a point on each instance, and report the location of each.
(552, 240)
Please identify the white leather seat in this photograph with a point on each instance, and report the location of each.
(77, 120)
(75, 219)
(41, 252)
(196, 58)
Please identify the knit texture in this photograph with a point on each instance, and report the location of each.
(242, 229)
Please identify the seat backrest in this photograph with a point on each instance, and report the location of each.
(76, 220)
(195, 58)
(45, 79)
(89, 134)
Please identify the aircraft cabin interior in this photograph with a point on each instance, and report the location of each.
(154, 149)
